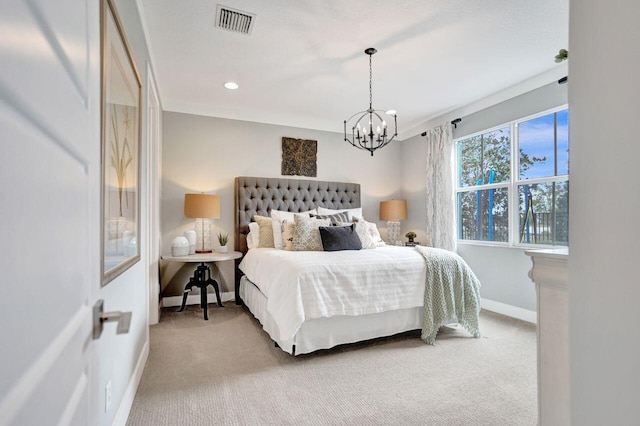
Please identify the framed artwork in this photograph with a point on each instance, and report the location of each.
(120, 139)
(299, 157)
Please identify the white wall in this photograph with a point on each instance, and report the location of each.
(120, 355)
(205, 154)
(502, 271)
(604, 288)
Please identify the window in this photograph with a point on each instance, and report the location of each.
(513, 182)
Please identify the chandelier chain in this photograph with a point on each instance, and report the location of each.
(370, 86)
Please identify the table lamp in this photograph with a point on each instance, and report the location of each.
(203, 208)
(393, 211)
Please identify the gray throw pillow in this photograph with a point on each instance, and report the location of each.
(335, 238)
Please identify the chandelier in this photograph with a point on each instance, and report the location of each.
(370, 134)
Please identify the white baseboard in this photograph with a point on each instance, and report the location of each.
(130, 393)
(194, 299)
(510, 311)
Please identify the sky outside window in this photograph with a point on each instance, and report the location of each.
(536, 139)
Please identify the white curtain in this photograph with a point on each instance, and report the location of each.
(440, 194)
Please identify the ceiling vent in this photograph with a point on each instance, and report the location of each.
(234, 20)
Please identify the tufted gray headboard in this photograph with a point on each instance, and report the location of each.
(259, 195)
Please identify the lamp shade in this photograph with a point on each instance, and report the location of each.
(393, 210)
(202, 206)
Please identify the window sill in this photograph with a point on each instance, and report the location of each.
(507, 245)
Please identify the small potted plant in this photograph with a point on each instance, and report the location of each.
(223, 239)
(410, 235)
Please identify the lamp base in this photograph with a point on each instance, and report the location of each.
(203, 236)
(393, 231)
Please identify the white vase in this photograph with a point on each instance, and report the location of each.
(180, 247)
(190, 235)
(222, 249)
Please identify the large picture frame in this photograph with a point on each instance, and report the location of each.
(121, 108)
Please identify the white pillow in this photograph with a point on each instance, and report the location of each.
(353, 213)
(282, 215)
(278, 228)
(375, 234)
(253, 237)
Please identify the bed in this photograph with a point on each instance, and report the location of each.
(311, 300)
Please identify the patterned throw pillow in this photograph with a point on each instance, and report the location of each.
(306, 235)
(287, 235)
(266, 231)
(375, 234)
(363, 233)
(334, 218)
(353, 213)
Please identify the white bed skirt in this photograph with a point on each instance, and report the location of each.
(324, 333)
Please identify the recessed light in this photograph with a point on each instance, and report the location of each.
(231, 85)
(391, 112)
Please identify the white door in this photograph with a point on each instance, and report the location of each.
(49, 209)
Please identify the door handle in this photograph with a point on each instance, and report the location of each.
(100, 317)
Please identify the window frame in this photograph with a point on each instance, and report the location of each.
(512, 184)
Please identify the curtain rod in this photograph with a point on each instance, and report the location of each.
(454, 123)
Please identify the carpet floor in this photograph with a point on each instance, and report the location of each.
(226, 371)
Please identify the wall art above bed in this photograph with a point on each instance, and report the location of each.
(299, 157)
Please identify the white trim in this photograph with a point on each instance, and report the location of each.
(147, 37)
(130, 393)
(154, 164)
(510, 311)
(28, 383)
(194, 299)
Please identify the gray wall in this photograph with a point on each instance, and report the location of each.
(502, 271)
(204, 154)
(604, 288)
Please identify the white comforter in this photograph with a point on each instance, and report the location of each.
(302, 285)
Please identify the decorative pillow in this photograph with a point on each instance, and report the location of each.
(375, 234)
(282, 215)
(278, 227)
(363, 233)
(279, 217)
(287, 235)
(353, 213)
(306, 235)
(334, 218)
(266, 231)
(335, 238)
(253, 237)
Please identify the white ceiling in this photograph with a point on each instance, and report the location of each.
(304, 66)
